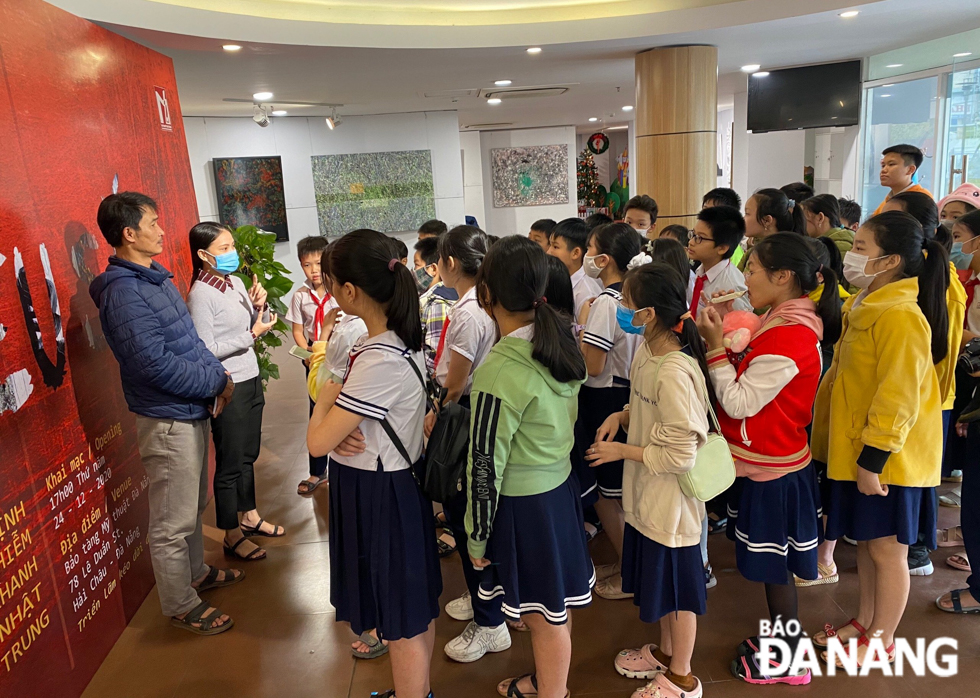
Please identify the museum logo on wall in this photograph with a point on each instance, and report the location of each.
(163, 108)
(250, 192)
(531, 176)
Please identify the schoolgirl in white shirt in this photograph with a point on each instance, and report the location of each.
(608, 346)
(384, 569)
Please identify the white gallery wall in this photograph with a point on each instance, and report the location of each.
(296, 139)
(508, 221)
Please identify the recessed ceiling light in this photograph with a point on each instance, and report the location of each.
(761, 74)
(262, 96)
(962, 55)
(849, 14)
(593, 118)
(279, 112)
(894, 65)
(502, 83)
(494, 100)
(750, 68)
(628, 107)
(232, 47)
(833, 117)
(886, 95)
(534, 49)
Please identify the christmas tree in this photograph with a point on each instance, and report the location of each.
(588, 181)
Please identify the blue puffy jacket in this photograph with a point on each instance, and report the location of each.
(167, 372)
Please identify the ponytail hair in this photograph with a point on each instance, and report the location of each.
(514, 274)
(922, 208)
(366, 259)
(619, 241)
(828, 254)
(672, 253)
(467, 244)
(825, 204)
(899, 233)
(790, 252)
(787, 214)
(657, 285)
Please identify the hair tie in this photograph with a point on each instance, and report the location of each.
(679, 327)
(538, 302)
(391, 264)
(820, 269)
(639, 260)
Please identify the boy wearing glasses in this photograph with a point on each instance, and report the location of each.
(717, 233)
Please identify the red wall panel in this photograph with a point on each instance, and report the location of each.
(78, 111)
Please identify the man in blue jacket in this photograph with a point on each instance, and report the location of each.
(171, 382)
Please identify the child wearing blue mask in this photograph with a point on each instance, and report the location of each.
(608, 350)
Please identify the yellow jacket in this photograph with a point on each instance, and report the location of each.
(956, 307)
(882, 390)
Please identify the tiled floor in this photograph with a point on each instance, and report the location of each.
(285, 641)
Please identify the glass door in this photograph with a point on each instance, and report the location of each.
(903, 112)
(962, 160)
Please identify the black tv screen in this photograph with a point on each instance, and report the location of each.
(813, 96)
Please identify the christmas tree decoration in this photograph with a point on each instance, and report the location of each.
(587, 177)
(598, 143)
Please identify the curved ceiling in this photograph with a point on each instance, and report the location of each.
(439, 23)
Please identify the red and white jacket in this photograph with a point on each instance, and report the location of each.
(766, 395)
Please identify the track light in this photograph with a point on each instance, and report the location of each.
(260, 116)
(334, 120)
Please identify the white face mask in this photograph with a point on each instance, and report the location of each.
(591, 268)
(854, 269)
(642, 231)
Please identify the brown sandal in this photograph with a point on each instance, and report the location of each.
(211, 581)
(205, 625)
(257, 554)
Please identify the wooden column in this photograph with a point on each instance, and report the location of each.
(676, 129)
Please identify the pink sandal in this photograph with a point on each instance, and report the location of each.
(863, 640)
(639, 664)
(830, 631)
(949, 537)
(954, 561)
(661, 687)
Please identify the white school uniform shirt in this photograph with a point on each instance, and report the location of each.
(584, 287)
(973, 312)
(471, 333)
(348, 330)
(302, 309)
(690, 286)
(602, 331)
(724, 276)
(381, 384)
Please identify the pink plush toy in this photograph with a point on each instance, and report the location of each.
(739, 326)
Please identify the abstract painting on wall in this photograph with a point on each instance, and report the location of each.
(389, 192)
(531, 176)
(250, 192)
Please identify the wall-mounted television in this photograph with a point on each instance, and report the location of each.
(812, 96)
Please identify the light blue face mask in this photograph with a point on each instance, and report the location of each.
(226, 263)
(624, 316)
(959, 258)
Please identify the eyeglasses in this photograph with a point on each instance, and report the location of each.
(698, 239)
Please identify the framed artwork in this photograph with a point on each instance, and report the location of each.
(389, 192)
(531, 176)
(250, 192)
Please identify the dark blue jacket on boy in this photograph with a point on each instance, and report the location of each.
(166, 371)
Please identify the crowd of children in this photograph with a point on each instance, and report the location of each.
(595, 360)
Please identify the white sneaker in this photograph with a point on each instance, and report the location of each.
(476, 641)
(461, 608)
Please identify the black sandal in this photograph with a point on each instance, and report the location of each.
(279, 531)
(257, 554)
(445, 549)
(306, 487)
(440, 520)
(514, 692)
(207, 625)
(211, 581)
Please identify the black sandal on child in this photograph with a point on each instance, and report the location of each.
(307, 487)
(508, 687)
(206, 626)
(277, 531)
(257, 554)
(445, 549)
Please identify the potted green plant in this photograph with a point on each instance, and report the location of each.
(257, 250)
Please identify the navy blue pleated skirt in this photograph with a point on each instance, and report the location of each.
(866, 517)
(539, 555)
(662, 580)
(776, 526)
(384, 567)
(594, 406)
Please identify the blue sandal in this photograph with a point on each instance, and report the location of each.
(954, 596)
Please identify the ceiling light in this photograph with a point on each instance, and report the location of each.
(849, 14)
(894, 65)
(628, 107)
(751, 68)
(502, 83)
(886, 95)
(761, 74)
(494, 100)
(232, 47)
(534, 50)
(333, 121)
(280, 112)
(962, 55)
(260, 116)
(262, 96)
(593, 118)
(891, 84)
(616, 128)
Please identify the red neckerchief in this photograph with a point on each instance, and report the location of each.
(318, 316)
(442, 344)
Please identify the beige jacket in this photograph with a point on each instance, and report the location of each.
(668, 418)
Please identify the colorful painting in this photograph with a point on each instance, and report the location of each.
(250, 192)
(389, 192)
(532, 176)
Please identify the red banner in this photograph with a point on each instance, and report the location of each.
(83, 112)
